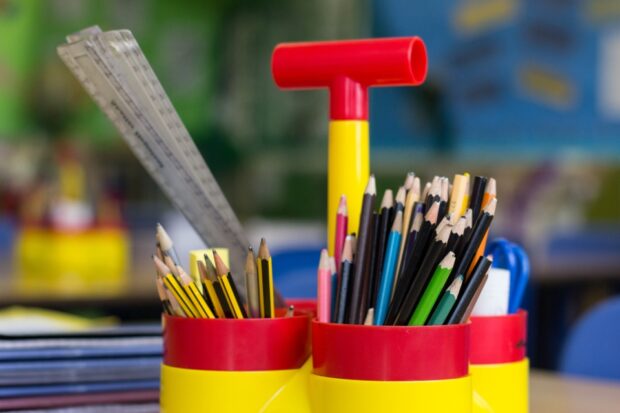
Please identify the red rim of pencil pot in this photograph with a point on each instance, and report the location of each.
(390, 353)
(251, 344)
(498, 339)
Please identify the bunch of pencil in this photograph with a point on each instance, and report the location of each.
(215, 294)
(418, 260)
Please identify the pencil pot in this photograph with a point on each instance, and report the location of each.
(499, 366)
(228, 365)
(359, 368)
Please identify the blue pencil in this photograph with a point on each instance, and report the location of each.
(389, 268)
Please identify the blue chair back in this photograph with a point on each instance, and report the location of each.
(593, 346)
(294, 271)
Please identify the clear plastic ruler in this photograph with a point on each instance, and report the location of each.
(116, 74)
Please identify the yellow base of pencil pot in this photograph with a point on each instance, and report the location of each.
(329, 395)
(199, 391)
(501, 388)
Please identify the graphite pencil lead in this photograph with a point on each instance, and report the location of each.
(263, 251)
(250, 262)
(388, 199)
(220, 267)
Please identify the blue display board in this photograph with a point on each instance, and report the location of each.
(535, 77)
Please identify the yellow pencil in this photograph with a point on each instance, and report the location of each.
(194, 295)
(265, 281)
(207, 285)
(228, 285)
(179, 294)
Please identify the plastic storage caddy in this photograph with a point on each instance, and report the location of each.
(360, 369)
(499, 368)
(226, 365)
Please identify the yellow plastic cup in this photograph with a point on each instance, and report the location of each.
(227, 365)
(385, 368)
(499, 368)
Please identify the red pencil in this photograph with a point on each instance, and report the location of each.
(342, 223)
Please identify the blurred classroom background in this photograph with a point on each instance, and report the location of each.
(525, 91)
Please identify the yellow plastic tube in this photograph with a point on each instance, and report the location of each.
(330, 395)
(501, 388)
(199, 391)
(347, 173)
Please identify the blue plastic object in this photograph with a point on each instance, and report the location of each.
(593, 344)
(294, 271)
(513, 258)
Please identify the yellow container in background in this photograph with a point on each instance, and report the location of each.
(93, 261)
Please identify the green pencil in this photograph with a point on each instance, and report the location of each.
(447, 302)
(433, 290)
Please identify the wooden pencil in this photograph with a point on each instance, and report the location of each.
(228, 285)
(251, 284)
(354, 314)
(435, 252)
(383, 230)
(344, 280)
(265, 281)
(342, 224)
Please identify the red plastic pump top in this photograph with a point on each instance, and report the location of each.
(348, 68)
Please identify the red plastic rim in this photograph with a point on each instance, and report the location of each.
(391, 353)
(498, 339)
(253, 344)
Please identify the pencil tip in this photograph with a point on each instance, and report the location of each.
(371, 188)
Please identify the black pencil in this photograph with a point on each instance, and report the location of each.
(457, 233)
(342, 290)
(480, 228)
(470, 292)
(367, 278)
(399, 202)
(354, 315)
(435, 253)
(383, 230)
(477, 193)
(412, 263)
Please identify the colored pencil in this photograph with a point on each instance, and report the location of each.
(471, 291)
(413, 196)
(354, 315)
(410, 266)
(435, 286)
(342, 224)
(346, 269)
(431, 259)
(445, 305)
(324, 292)
(389, 268)
(383, 231)
(477, 194)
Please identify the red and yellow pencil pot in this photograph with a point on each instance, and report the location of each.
(236, 365)
(360, 368)
(499, 366)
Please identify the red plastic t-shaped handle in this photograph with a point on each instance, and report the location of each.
(348, 68)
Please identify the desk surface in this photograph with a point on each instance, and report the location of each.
(552, 393)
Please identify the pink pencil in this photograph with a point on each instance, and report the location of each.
(324, 293)
(342, 223)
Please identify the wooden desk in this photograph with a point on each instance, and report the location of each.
(552, 393)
